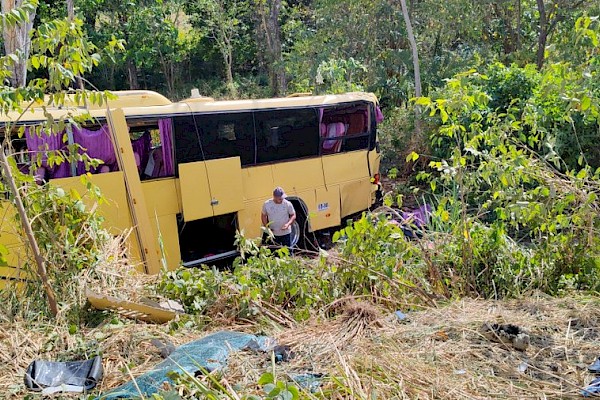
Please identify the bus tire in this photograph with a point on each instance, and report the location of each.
(307, 240)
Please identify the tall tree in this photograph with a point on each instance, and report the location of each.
(549, 16)
(221, 20)
(268, 38)
(17, 41)
(413, 46)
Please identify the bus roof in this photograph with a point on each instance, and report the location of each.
(148, 103)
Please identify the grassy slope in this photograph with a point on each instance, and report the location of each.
(436, 353)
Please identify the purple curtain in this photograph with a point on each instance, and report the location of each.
(98, 145)
(378, 115)
(43, 143)
(165, 128)
(141, 147)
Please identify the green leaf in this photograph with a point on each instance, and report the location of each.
(443, 115)
(423, 101)
(412, 157)
(586, 102)
(265, 378)
(271, 390)
(35, 62)
(336, 236)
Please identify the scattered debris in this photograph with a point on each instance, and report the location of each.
(203, 355)
(411, 221)
(507, 334)
(283, 353)
(400, 315)
(145, 310)
(356, 358)
(72, 376)
(593, 389)
(414, 221)
(522, 367)
(440, 335)
(594, 368)
(165, 348)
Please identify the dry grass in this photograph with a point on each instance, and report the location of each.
(115, 275)
(439, 352)
(363, 351)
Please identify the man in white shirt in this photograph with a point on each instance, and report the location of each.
(278, 214)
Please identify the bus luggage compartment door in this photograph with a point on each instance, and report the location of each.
(211, 188)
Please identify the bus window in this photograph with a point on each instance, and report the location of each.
(286, 134)
(227, 135)
(345, 128)
(151, 141)
(185, 136)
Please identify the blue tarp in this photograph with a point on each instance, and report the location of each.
(208, 353)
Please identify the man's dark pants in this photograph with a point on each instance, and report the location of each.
(284, 240)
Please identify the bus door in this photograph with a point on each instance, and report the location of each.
(210, 150)
(146, 242)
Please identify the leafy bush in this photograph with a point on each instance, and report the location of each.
(371, 264)
(260, 276)
(518, 219)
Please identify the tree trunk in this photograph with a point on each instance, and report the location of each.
(16, 38)
(228, 58)
(543, 35)
(416, 141)
(278, 71)
(70, 10)
(39, 260)
(169, 74)
(413, 47)
(268, 39)
(519, 25)
(132, 75)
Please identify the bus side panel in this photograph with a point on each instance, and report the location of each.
(249, 219)
(355, 196)
(257, 182)
(10, 237)
(112, 187)
(195, 197)
(345, 167)
(115, 210)
(327, 209)
(10, 275)
(161, 197)
(297, 176)
(167, 225)
(309, 199)
(163, 206)
(374, 163)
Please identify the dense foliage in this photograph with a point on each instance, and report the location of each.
(261, 47)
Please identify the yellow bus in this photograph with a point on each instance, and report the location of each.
(198, 170)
